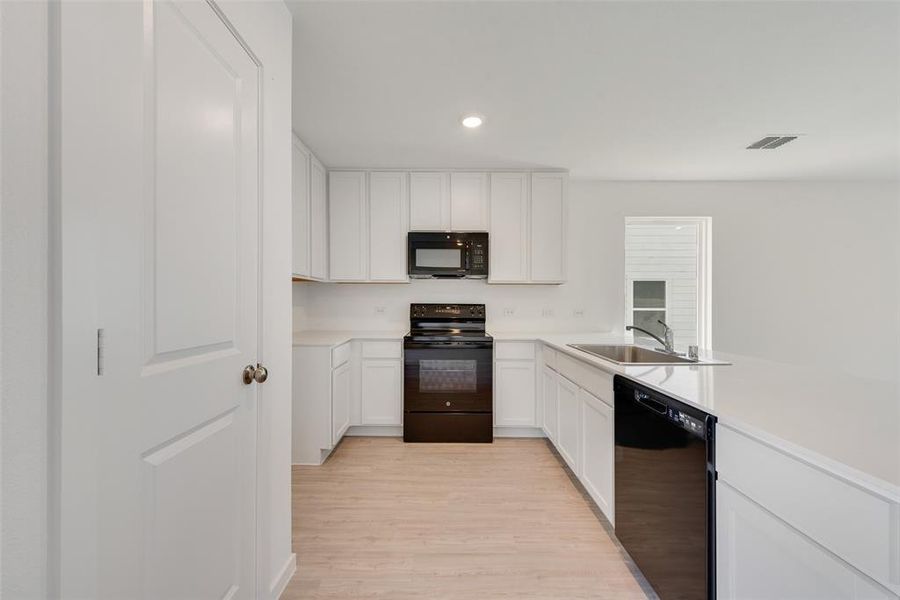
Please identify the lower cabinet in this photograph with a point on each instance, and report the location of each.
(381, 393)
(761, 557)
(549, 403)
(340, 402)
(321, 401)
(515, 397)
(569, 413)
(597, 448)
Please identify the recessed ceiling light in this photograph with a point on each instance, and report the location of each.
(472, 121)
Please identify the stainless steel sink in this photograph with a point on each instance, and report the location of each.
(632, 355)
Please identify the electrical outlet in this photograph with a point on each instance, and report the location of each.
(547, 312)
(578, 312)
(508, 312)
(379, 310)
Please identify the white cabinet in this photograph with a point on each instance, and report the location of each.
(310, 215)
(300, 192)
(856, 524)
(515, 384)
(760, 557)
(348, 225)
(514, 381)
(547, 244)
(318, 217)
(388, 225)
(321, 401)
(528, 214)
(509, 228)
(429, 201)
(468, 202)
(340, 402)
(549, 403)
(597, 447)
(569, 413)
(381, 390)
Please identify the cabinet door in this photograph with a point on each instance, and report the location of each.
(300, 192)
(381, 392)
(468, 202)
(514, 393)
(388, 225)
(429, 202)
(318, 235)
(548, 227)
(509, 228)
(348, 227)
(760, 557)
(597, 447)
(340, 402)
(567, 438)
(548, 383)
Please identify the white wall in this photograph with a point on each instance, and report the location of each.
(801, 272)
(24, 231)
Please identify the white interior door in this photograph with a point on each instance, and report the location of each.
(160, 158)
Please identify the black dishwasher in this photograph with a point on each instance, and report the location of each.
(665, 490)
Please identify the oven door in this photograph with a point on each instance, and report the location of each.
(437, 255)
(447, 377)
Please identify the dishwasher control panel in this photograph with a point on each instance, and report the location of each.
(687, 421)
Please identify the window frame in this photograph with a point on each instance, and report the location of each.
(704, 272)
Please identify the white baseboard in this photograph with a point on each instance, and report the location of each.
(279, 584)
(526, 432)
(376, 430)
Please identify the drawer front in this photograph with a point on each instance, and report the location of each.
(858, 526)
(593, 379)
(514, 350)
(549, 356)
(340, 355)
(386, 349)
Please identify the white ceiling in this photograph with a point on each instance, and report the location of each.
(609, 90)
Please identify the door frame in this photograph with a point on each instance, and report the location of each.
(264, 29)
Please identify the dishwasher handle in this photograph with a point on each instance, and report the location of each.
(645, 400)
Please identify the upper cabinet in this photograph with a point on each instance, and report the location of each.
(318, 220)
(347, 226)
(368, 218)
(528, 214)
(441, 201)
(310, 242)
(547, 246)
(300, 190)
(388, 225)
(468, 202)
(429, 201)
(358, 232)
(509, 228)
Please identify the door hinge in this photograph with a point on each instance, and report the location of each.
(101, 343)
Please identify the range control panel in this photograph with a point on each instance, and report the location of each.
(468, 311)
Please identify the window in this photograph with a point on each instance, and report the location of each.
(648, 306)
(667, 267)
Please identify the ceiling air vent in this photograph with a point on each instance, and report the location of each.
(771, 141)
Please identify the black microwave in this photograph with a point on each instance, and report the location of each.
(434, 254)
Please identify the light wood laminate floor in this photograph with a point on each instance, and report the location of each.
(388, 520)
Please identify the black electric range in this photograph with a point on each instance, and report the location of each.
(448, 375)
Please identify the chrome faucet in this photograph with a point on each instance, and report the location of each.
(669, 341)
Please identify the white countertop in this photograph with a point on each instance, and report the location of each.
(823, 415)
(336, 338)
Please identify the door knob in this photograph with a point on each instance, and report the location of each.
(248, 374)
(260, 374)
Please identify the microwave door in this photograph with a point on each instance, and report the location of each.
(437, 260)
